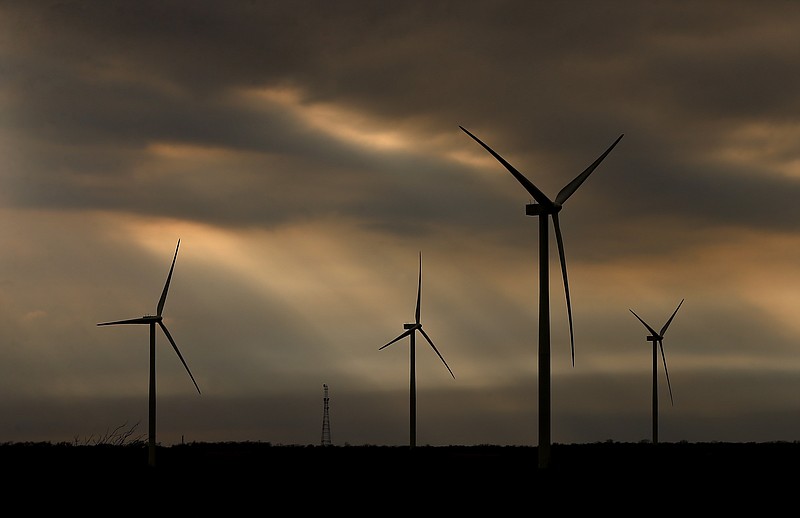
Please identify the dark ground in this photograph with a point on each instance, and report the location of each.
(565, 458)
(494, 480)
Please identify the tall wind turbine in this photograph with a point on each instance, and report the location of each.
(152, 321)
(658, 343)
(543, 208)
(411, 331)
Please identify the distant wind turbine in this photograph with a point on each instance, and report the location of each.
(152, 320)
(544, 208)
(658, 343)
(410, 331)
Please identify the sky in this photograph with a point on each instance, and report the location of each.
(308, 155)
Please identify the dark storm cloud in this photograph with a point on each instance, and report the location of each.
(123, 75)
(404, 60)
(663, 184)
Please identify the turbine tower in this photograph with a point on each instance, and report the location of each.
(152, 321)
(326, 423)
(543, 208)
(658, 343)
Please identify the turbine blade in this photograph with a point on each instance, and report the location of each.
(664, 359)
(163, 298)
(562, 258)
(538, 195)
(405, 334)
(664, 329)
(572, 186)
(140, 320)
(419, 288)
(437, 351)
(652, 331)
(175, 346)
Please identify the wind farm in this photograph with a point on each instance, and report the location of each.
(304, 153)
(565, 458)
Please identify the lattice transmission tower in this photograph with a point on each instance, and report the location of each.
(326, 422)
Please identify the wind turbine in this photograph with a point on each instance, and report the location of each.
(543, 208)
(411, 331)
(658, 343)
(152, 321)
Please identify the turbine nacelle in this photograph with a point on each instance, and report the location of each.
(412, 326)
(537, 209)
